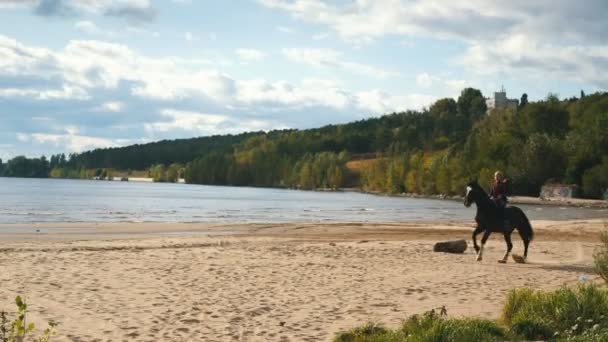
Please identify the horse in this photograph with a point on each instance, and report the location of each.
(490, 220)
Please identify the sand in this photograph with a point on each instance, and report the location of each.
(290, 282)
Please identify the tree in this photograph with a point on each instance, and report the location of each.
(545, 117)
(523, 102)
(582, 94)
(472, 104)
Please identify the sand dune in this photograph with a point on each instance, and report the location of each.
(270, 282)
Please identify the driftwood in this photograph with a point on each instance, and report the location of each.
(457, 246)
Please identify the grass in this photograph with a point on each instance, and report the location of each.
(428, 327)
(566, 314)
(601, 257)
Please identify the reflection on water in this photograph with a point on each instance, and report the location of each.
(57, 200)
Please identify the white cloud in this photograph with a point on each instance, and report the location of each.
(442, 85)
(65, 93)
(514, 37)
(520, 54)
(15, 3)
(112, 106)
(90, 64)
(320, 36)
(425, 80)
(379, 102)
(308, 94)
(203, 123)
(142, 32)
(188, 36)
(87, 26)
(70, 140)
(334, 59)
(250, 55)
(284, 29)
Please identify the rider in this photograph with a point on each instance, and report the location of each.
(498, 194)
(499, 190)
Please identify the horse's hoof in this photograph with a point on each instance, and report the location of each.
(479, 258)
(502, 261)
(518, 259)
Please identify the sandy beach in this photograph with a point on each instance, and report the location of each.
(283, 282)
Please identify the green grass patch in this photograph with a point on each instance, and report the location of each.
(600, 257)
(577, 313)
(563, 312)
(428, 327)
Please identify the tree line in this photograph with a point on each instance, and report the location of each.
(431, 151)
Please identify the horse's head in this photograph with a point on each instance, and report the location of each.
(472, 190)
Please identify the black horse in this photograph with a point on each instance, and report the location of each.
(490, 219)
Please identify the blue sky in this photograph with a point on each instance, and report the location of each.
(76, 75)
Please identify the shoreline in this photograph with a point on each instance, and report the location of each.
(557, 201)
(581, 229)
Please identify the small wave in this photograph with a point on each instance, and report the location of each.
(33, 213)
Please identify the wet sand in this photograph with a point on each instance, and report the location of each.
(296, 282)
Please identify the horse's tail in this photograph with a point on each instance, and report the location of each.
(523, 225)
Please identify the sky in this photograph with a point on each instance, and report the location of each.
(78, 75)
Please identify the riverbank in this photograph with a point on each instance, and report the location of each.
(556, 201)
(268, 282)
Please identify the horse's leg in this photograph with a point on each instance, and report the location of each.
(485, 237)
(477, 230)
(509, 246)
(526, 242)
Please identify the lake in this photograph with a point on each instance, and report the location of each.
(60, 200)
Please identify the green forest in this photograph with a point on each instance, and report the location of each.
(432, 151)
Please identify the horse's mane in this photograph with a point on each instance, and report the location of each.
(478, 187)
(485, 198)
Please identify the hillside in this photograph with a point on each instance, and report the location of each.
(431, 151)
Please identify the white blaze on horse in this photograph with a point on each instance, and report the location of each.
(492, 219)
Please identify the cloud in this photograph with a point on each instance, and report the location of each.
(519, 38)
(66, 93)
(109, 93)
(284, 29)
(111, 106)
(377, 101)
(130, 10)
(16, 3)
(320, 36)
(204, 123)
(250, 55)
(521, 55)
(425, 80)
(333, 59)
(84, 66)
(310, 93)
(69, 140)
(188, 36)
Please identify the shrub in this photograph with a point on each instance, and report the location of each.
(431, 327)
(532, 330)
(566, 311)
(17, 329)
(600, 258)
(365, 333)
(428, 327)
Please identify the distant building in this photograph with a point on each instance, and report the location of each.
(501, 101)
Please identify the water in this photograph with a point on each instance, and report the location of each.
(58, 200)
